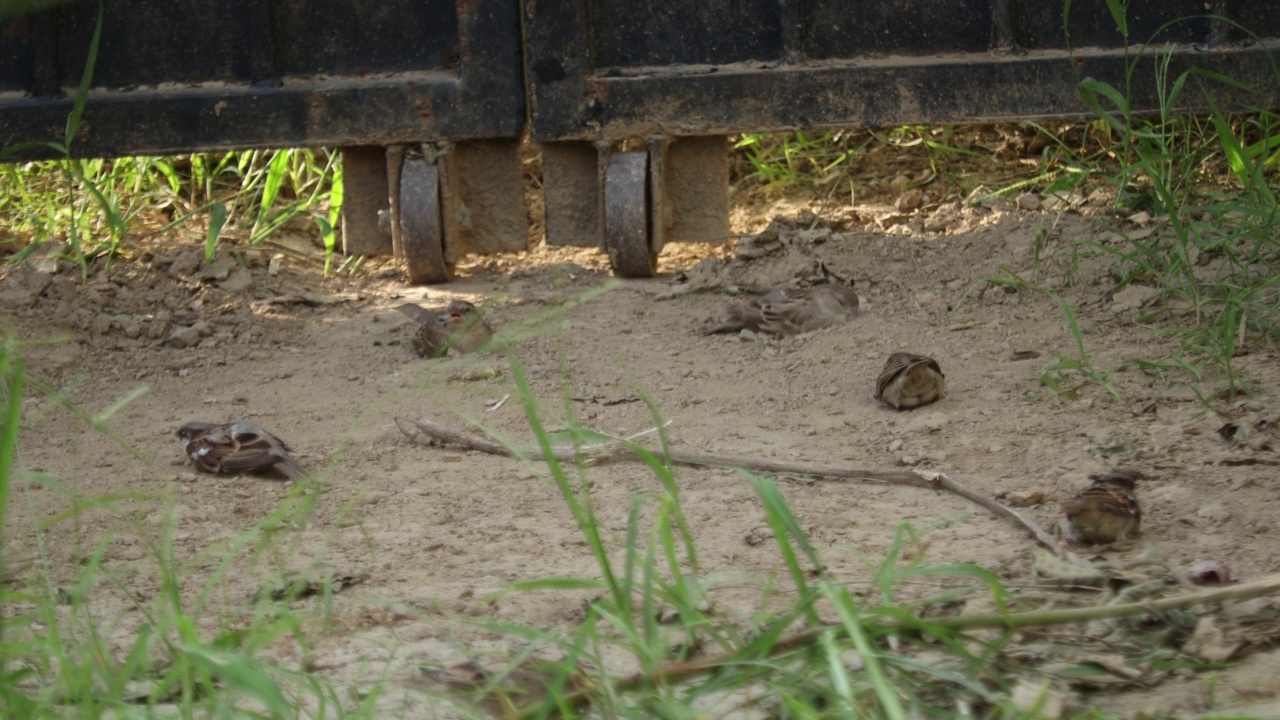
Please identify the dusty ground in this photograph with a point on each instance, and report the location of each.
(435, 530)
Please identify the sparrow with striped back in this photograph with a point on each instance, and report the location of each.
(237, 447)
(909, 381)
(461, 326)
(791, 311)
(1107, 510)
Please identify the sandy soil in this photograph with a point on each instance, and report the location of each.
(325, 363)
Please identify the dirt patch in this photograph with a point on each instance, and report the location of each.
(325, 363)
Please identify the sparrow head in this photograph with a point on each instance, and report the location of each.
(459, 309)
(846, 295)
(194, 429)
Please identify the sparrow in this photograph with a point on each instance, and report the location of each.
(240, 446)
(460, 326)
(909, 381)
(791, 311)
(507, 694)
(1107, 511)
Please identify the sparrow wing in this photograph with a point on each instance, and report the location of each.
(468, 330)
(739, 315)
(257, 449)
(211, 448)
(837, 298)
(431, 339)
(1112, 498)
(897, 364)
(802, 310)
(792, 312)
(417, 313)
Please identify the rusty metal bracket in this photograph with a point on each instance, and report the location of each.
(571, 193)
(364, 169)
(481, 198)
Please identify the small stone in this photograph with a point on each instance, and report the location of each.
(48, 265)
(273, 267)
(1025, 498)
(1029, 201)
(102, 324)
(758, 535)
(218, 268)
(1132, 298)
(1214, 513)
(238, 281)
(909, 200)
(183, 337)
(185, 264)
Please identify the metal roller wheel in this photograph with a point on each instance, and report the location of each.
(626, 215)
(421, 231)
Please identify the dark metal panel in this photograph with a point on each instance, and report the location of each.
(353, 37)
(23, 62)
(1039, 24)
(299, 114)
(871, 63)
(148, 42)
(1259, 17)
(874, 94)
(843, 29)
(709, 32)
(256, 74)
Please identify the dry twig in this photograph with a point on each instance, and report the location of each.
(452, 436)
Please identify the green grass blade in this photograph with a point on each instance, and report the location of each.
(241, 673)
(217, 218)
(786, 529)
(86, 79)
(852, 623)
(271, 188)
(11, 382)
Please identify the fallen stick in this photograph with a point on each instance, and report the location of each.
(677, 671)
(598, 454)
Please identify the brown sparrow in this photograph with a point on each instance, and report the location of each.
(460, 326)
(237, 447)
(791, 311)
(909, 381)
(507, 694)
(1107, 511)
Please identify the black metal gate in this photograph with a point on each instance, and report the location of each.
(683, 75)
(377, 79)
(632, 104)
